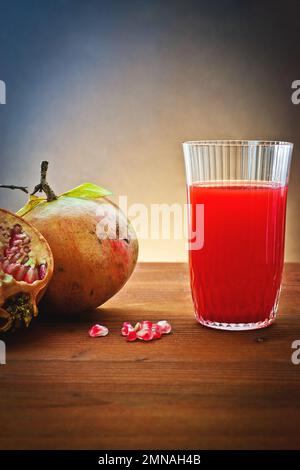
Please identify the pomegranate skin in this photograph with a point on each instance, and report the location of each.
(94, 247)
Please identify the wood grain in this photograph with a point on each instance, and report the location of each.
(194, 389)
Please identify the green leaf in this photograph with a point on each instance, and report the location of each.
(88, 191)
(32, 202)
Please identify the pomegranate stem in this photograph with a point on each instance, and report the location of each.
(43, 186)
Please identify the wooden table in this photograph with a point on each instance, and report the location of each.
(195, 389)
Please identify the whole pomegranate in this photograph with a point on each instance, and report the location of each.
(93, 244)
(26, 266)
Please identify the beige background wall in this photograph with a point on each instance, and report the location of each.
(107, 91)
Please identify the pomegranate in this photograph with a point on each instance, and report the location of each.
(26, 266)
(94, 245)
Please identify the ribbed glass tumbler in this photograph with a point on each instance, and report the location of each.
(237, 192)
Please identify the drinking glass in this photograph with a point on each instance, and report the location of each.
(237, 192)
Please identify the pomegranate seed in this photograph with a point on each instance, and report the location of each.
(31, 275)
(12, 250)
(157, 331)
(97, 331)
(15, 257)
(146, 334)
(5, 263)
(20, 272)
(11, 268)
(126, 328)
(26, 249)
(6, 252)
(16, 242)
(165, 327)
(42, 271)
(19, 236)
(131, 335)
(146, 324)
(137, 326)
(145, 330)
(17, 228)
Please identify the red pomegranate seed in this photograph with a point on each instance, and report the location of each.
(31, 275)
(17, 228)
(145, 330)
(11, 268)
(5, 263)
(131, 335)
(146, 324)
(6, 252)
(11, 251)
(15, 257)
(42, 271)
(20, 272)
(19, 236)
(165, 327)
(157, 331)
(126, 328)
(16, 242)
(146, 334)
(97, 331)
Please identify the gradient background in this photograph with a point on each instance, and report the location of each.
(107, 91)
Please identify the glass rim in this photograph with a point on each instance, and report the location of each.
(238, 143)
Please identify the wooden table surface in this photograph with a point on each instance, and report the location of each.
(194, 389)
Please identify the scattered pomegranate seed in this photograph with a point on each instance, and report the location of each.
(129, 331)
(145, 330)
(98, 330)
(146, 324)
(165, 327)
(138, 326)
(126, 328)
(132, 335)
(146, 334)
(157, 331)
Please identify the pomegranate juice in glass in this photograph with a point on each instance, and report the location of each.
(237, 192)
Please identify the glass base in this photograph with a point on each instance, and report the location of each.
(237, 326)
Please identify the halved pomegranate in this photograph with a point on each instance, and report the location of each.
(26, 267)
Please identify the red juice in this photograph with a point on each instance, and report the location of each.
(236, 275)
